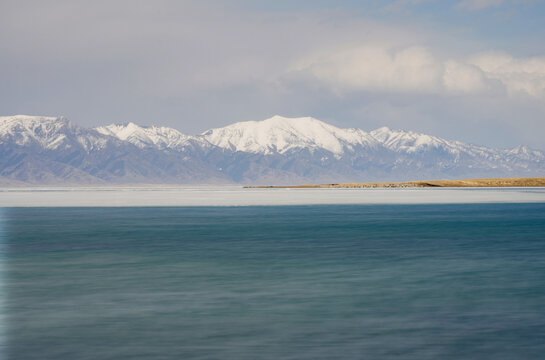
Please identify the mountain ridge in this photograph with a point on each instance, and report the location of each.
(275, 150)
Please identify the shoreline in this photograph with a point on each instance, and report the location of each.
(487, 182)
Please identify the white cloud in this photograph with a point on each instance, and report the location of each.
(375, 68)
(459, 77)
(526, 75)
(476, 5)
(417, 70)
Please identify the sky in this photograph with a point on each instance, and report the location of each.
(470, 70)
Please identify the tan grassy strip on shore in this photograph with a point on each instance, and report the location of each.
(498, 182)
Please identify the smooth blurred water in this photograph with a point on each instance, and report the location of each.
(280, 282)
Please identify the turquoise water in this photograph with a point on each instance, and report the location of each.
(277, 282)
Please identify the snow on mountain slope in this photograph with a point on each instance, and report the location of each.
(280, 135)
(410, 142)
(41, 150)
(153, 136)
(525, 153)
(451, 154)
(48, 133)
(34, 148)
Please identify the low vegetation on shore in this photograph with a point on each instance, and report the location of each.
(494, 182)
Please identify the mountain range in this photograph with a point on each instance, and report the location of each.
(278, 150)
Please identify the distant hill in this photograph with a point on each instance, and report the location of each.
(279, 150)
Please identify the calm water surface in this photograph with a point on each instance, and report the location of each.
(278, 282)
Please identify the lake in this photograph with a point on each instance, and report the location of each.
(446, 276)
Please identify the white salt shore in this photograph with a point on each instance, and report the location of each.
(238, 196)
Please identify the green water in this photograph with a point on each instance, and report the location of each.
(299, 282)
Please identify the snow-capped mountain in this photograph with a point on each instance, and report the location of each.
(281, 135)
(151, 137)
(278, 150)
(48, 133)
(44, 150)
(411, 142)
(418, 145)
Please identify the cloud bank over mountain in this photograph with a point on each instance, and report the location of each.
(416, 69)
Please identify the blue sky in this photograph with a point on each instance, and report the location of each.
(472, 70)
